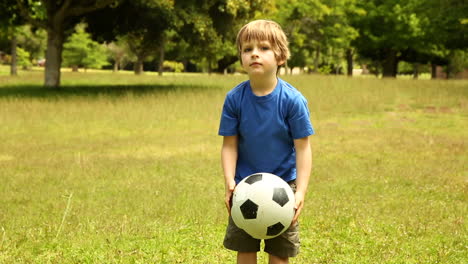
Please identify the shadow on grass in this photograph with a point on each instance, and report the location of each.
(39, 91)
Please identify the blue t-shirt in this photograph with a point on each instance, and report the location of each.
(266, 127)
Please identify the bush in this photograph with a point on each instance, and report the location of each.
(173, 66)
(23, 58)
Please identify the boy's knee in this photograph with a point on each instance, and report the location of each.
(246, 257)
(277, 260)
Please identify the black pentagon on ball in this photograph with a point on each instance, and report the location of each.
(249, 209)
(253, 178)
(280, 196)
(275, 229)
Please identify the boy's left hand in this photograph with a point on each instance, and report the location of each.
(299, 205)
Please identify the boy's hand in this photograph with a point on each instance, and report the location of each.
(230, 186)
(299, 205)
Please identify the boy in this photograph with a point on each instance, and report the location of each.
(266, 127)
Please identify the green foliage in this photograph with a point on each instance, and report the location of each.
(210, 28)
(390, 31)
(81, 51)
(325, 69)
(33, 40)
(119, 52)
(173, 66)
(9, 15)
(408, 68)
(144, 37)
(319, 30)
(458, 61)
(414, 31)
(23, 58)
(388, 25)
(202, 33)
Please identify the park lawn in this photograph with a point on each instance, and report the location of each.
(117, 168)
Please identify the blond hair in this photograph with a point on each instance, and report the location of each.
(261, 30)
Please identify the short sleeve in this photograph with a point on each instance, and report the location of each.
(229, 118)
(299, 118)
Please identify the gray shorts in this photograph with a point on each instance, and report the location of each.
(285, 245)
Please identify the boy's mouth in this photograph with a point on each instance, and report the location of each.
(255, 63)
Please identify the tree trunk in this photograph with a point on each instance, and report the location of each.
(210, 69)
(162, 47)
(14, 56)
(138, 67)
(415, 71)
(225, 62)
(316, 59)
(349, 60)
(57, 12)
(448, 72)
(185, 63)
(450, 69)
(116, 66)
(433, 71)
(53, 62)
(390, 65)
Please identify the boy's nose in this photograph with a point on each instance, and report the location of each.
(254, 53)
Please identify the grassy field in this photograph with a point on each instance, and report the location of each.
(115, 168)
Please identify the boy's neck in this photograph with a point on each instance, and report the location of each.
(263, 86)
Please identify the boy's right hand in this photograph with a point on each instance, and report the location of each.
(230, 186)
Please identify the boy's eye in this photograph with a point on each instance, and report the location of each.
(247, 49)
(265, 48)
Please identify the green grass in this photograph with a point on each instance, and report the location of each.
(116, 168)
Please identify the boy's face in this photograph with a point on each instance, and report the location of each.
(258, 58)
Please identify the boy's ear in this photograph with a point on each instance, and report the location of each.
(281, 62)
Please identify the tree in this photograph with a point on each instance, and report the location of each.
(118, 51)
(9, 23)
(144, 36)
(23, 58)
(301, 20)
(446, 34)
(58, 18)
(228, 17)
(205, 42)
(33, 40)
(21, 40)
(210, 28)
(417, 31)
(319, 30)
(81, 51)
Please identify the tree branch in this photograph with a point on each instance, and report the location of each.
(64, 8)
(24, 11)
(81, 9)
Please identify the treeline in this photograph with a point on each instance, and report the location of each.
(327, 36)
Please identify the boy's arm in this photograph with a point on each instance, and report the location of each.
(229, 162)
(303, 169)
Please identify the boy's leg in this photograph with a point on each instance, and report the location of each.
(277, 260)
(246, 257)
(285, 245)
(238, 240)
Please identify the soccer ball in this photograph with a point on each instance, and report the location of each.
(263, 205)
